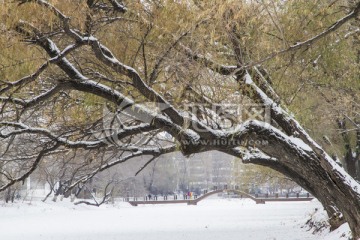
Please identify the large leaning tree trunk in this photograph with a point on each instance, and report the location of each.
(281, 143)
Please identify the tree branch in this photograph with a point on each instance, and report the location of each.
(354, 13)
(140, 152)
(40, 98)
(34, 166)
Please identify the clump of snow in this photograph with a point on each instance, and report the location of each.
(317, 223)
(343, 232)
(300, 143)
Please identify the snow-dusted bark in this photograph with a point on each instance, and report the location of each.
(321, 176)
(299, 156)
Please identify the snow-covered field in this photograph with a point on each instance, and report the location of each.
(211, 219)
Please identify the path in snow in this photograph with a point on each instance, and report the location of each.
(211, 219)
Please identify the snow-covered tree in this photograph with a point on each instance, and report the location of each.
(151, 77)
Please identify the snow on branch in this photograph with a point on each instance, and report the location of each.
(260, 131)
(21, 128)
(84, 84)
(251, 155)
(108, 58)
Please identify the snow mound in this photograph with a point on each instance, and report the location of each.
(318, 224)
(317, 221)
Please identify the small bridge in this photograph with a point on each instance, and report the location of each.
(258, 200)
(241, 193)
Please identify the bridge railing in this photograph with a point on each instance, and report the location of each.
(162, 198)
(284, 195)
(224, 190)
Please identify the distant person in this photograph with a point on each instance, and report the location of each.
(149, 197)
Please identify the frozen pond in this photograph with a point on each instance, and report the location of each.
(211, 219)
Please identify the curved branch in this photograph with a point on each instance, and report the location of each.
(123, 133)
(140, 152)
(34, 165)
(40, 98)
(26, 79)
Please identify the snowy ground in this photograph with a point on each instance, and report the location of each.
(211, 219)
